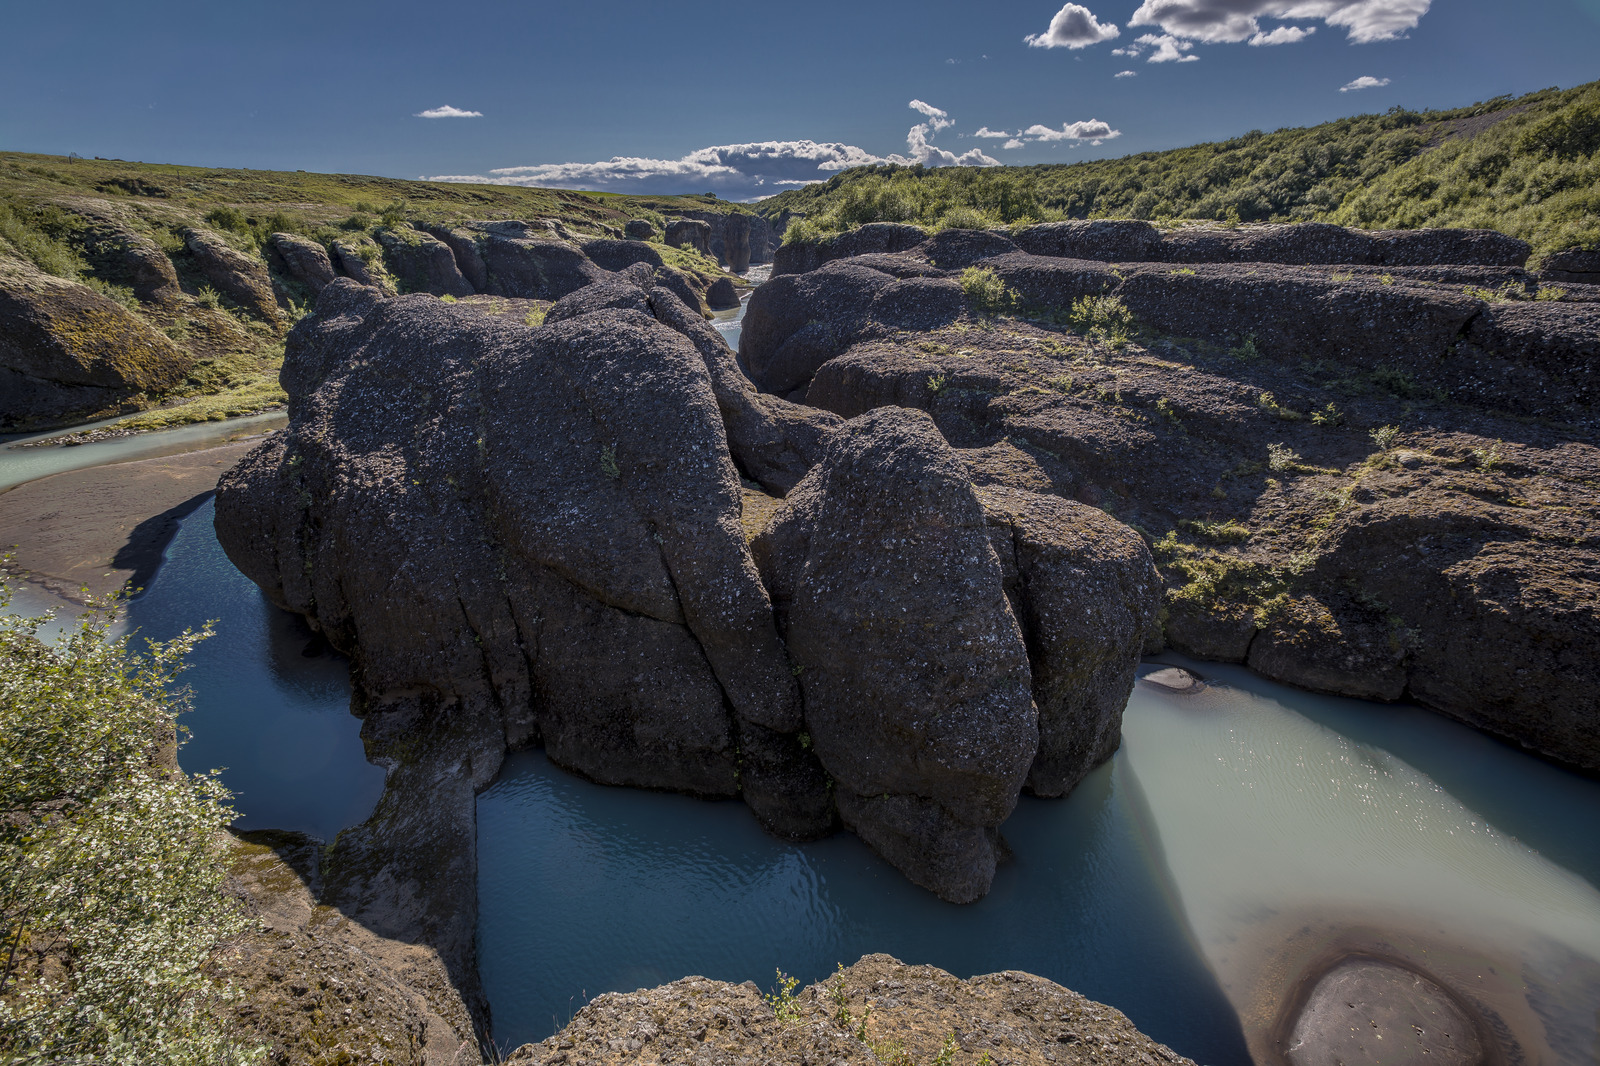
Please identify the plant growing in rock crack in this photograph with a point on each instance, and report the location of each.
(1328, 415)
(937, 383)
(1488, 458)
(608, 462)
(1102, 317)
(1246, 349)
(1385, 436)
(1281, 457)
(987, 292)
(535, 318)
(782, 999)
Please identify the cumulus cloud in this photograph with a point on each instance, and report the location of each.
(1074, 26)
(447, 112)
(1126, 74)
(1282, 35)
(938, 118)
(1163, 48)
(985, 131)
(1217, 21)
(1092, 130)
(1013, 143)
(1364, 82)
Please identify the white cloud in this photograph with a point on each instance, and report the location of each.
(1215, 21)
(1364, 82)
(1167, 49)
(937, 117)
(1126, 74)
(1074, 26)
(1014, 143)
(1091, 130)
(985, 131)
(1283, 35)
(447, 112)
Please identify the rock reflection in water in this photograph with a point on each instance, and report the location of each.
(1295, 848)
(276, 719)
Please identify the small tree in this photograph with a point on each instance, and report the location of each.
(111, 859)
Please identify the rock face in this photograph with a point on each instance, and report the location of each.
(640, 229)
(67, 353)
(1338, 467)
(916, 680)
(879, 1010)
(722, 296)
(564, 510)
(690, 233)
(302, 259)
(1573, 264)
(420, 262)
(728, 237)
(235, 274)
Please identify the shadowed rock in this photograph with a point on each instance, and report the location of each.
(235, 274)
(420, 262)
(302, 259)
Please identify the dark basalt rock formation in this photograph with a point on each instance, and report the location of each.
(1574, 265)
(640, 229)
(420, 262)
(1351, 474)
(67, 353)
(348, 257)
(1009, 1017)
(722, 296)
(729, 238)
(302, 259)
(537, 535)
(237, 275)
(689, 233)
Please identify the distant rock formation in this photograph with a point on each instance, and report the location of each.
(690, 233)
(640, 229)
(67, 352)
(237, 275)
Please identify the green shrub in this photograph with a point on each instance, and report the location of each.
(1102, 316)
(33, 242)
(228, 218)
(987, 292)
(965, 218)
(111, 861)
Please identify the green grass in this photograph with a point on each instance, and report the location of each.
(1533, 174)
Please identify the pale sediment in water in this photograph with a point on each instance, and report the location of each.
(1293, 848)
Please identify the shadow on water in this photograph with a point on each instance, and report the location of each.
(585, 889)
(271, 702)
(1546, 808)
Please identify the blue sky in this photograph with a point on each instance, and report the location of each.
(561, 89)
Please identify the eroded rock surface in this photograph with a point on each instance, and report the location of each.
(68, 352)
(878, 1011)
(1371, 480)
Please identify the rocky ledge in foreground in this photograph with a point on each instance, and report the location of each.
(878, 1011)
(1374, 480)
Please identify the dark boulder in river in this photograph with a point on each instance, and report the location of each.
(538, 535)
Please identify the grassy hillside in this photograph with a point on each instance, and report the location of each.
(1525, 166)
(70, 217)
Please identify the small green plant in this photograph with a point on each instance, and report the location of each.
(1165, 409)
(987, 292)
(1061, 383)
(1183, 272)
(228, 218)
(1346, 276)
(1267, 402)
(208, 297)
(535, 318)
(937, 383)
(1385, 436)
(447, 298)
(1228, 532)
(608, 463)
(1329, 415)
(782, 999)
(1488, 458)
(1550, 292)
(1246, 349)
(1385, 279)
(1396, 381)
(1281, 457)
(947, 1051)
(1102, 316)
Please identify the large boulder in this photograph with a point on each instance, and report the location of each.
(359, 259)
(302, 259)
(914, 672)
(1572, 265)
(68, 353)
(798, 257)
(469, 258)
(722, 296)
(1085, 589)
(690, 233)
(640, 229)
(795, 323)
(1108, 240)
(237, 275)
(420, 262)
(534, 268)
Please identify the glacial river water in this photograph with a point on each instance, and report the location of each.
(1243, 832)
